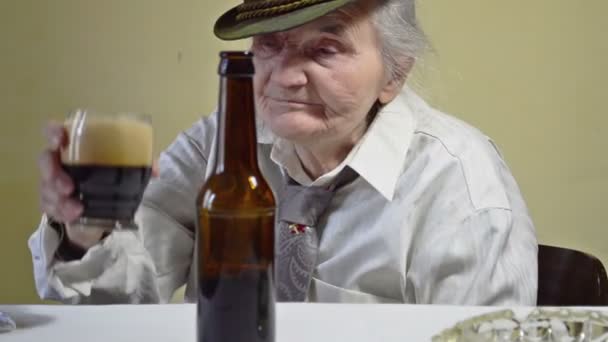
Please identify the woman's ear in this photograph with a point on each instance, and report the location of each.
(396, 81)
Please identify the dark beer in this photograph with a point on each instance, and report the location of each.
(109, 192)
(236, 211)
(109, 160)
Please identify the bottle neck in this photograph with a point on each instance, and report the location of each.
(237, 140)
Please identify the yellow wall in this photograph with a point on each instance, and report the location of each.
(532, 75)
(528, 73)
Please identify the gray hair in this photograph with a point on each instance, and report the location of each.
(401, 36)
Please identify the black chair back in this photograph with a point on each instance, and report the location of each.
(568, 277)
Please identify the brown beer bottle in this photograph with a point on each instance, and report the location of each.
(236, 218)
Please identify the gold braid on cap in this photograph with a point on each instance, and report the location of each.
(268, 8)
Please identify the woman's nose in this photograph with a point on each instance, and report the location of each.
(289, 72)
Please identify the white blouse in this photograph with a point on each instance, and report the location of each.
(435, 217)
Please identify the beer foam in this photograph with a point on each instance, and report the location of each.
(108, 141)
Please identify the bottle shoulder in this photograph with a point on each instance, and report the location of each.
(236, 190)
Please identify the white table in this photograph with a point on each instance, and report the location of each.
(176, 323)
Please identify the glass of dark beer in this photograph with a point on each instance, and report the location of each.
(109, 158)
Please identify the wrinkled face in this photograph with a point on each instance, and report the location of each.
(316, 83)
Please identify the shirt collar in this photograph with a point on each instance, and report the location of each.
(283, 154)
(381, 155)
(378, 157)
(264, 134)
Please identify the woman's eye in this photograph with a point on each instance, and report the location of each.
(270, 45)
(266, 47)
(327, 51)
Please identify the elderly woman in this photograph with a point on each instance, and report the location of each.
(432, 216)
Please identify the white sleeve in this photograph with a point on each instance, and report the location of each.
(486, 255)
(143, 266)
(100, 277)
(487, 259)
(120, 269)
(43, 244)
